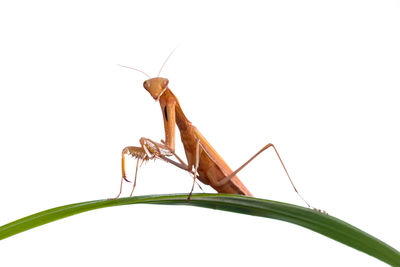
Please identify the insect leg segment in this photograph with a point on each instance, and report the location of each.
(134, 181)
(162, 151)
(227, 178)
(154, 149)
(120, 189)
(140, 153)
(177, 157)
(230, 176)
(148, 150)
(196, 165)
(169, 117)
(135, 152)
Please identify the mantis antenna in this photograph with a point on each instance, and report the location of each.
(136, 70)
(166, 61)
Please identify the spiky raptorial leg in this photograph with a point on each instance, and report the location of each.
(136, 152)
(162, 151)
(151, 150)
(143, 153)
(148, 150)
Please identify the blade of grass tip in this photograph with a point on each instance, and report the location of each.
(316, 221)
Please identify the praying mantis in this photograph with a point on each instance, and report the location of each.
(203, 162)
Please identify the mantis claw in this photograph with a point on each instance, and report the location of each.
(123, 177)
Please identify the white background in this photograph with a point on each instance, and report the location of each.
(319, 79)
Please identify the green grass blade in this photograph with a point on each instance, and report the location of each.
(313, 220)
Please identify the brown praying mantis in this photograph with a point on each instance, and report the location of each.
(203, 161)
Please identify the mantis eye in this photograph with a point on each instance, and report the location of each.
(165, 83)
(146, 84)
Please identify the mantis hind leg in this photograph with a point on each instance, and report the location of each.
(230, 176)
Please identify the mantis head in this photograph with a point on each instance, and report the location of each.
(156, 86)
